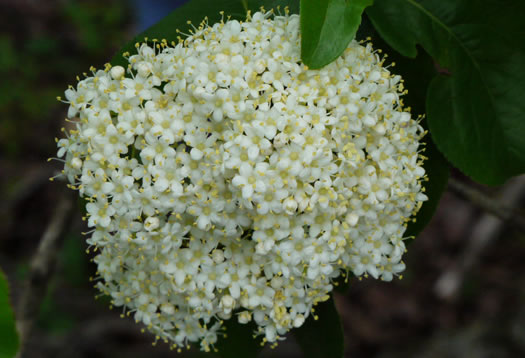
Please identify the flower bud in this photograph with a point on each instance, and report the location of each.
(117, 72)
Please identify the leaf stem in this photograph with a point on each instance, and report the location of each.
(482, 233)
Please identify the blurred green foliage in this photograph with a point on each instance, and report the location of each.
(52, 318)
(8, 335)
(74, 273)
(44, 46)
(74, 261)
(73, 266)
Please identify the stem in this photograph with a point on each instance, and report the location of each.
(483, 232)
(491, 205)
(42, 269)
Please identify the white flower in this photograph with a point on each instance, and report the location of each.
(260, 294)
(167, 177)
(168, 125)
(225, 180)
(252, 179)
(112, 141)
(156, 150)
(244, 317)
(100, 213)
(227, 303)
(138, 87)
(151, 223)
(95, 184)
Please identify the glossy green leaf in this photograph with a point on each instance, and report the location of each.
(342, 283)
(475, 110)
(327, 26)
(322, 338)
(239, 340)
(8, 336)
(195, 11)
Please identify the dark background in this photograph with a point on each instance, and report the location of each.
(44, 45)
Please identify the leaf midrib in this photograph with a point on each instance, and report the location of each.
(453, 35)
(436, 20)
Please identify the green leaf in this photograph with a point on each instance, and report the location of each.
(475, 111)
(195, 11)
(9, 337)
(342, 283)
(322, 338)
(327, 26)
(239, 340)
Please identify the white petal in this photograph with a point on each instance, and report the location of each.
(253, 152)
(196, 154)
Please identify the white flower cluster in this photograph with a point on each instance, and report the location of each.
(226, 179)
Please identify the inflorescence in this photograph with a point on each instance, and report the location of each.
(225, 179)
